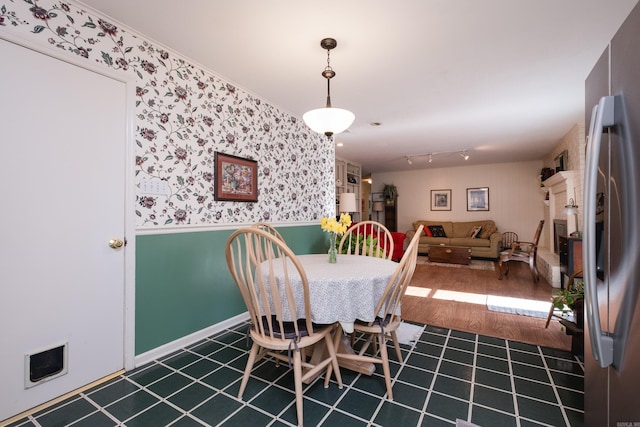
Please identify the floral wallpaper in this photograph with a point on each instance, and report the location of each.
(184, 114)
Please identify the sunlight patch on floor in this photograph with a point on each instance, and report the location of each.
(524, 306)
(460, 297)
(416, 291)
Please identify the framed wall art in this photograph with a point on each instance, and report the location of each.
(561, 161)
(236, 178)
(440, 200)
(377, 197)
(478, 199)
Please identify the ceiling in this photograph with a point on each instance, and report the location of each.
(503, 79)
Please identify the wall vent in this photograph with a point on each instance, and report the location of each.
(45, 365)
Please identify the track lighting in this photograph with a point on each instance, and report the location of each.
(463, 153)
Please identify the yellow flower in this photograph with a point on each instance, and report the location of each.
(331, 225)
(345, 219)
(323, 223)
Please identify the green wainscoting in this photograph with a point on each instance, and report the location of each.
(183, 285)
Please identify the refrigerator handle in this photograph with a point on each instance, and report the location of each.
(601, 344)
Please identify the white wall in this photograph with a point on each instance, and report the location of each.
(516, 202)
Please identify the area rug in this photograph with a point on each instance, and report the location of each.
(409, 333)
(521, 306)
(476, 264)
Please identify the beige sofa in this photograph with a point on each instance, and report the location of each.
(486, 245)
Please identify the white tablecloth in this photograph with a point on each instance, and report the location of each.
(344, 291)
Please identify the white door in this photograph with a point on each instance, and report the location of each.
(63, 139)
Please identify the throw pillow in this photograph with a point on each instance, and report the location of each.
(437, 231)
(487, 231)
(427, 232)
(475, 231)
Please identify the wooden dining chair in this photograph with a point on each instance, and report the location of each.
(369, 238)
(268, 228)
(279, 327)
(525, 252)
(387, 316)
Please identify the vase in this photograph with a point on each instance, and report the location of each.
(333, 252)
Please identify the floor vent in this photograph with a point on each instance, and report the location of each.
(45, 365)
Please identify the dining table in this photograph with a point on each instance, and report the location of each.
(342, 292)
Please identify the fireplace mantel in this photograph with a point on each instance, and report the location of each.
(563, 178)
(561, 187)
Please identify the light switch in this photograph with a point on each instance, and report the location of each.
(155, 186)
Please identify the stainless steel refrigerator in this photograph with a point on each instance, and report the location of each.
(611, 255)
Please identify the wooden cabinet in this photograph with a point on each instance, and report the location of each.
(570, 253)
(348, 179)
(391, 216)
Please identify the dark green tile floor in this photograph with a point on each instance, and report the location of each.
(446, 375)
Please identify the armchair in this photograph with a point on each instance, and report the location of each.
(523, 252)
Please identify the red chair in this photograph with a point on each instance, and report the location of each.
(398, 245)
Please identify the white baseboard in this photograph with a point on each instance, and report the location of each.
(187, 340)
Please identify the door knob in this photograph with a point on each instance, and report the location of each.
(115, 243)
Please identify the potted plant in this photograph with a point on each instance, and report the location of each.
(572, 299)
(390, 193)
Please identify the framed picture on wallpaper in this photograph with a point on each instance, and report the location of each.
(236, 178)
(478, 199)
(440, 200)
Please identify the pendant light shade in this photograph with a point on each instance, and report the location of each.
(328, 120)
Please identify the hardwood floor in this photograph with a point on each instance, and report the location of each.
(455, 298)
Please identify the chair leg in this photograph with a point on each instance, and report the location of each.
(334, 362)
(368, 342)
(297, 379)
(546, 325)
(385, 365)
(503, 268)
(247, 370)
(396, 344)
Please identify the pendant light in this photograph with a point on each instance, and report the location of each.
(328, 120)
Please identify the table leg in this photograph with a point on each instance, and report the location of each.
(342, 345)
